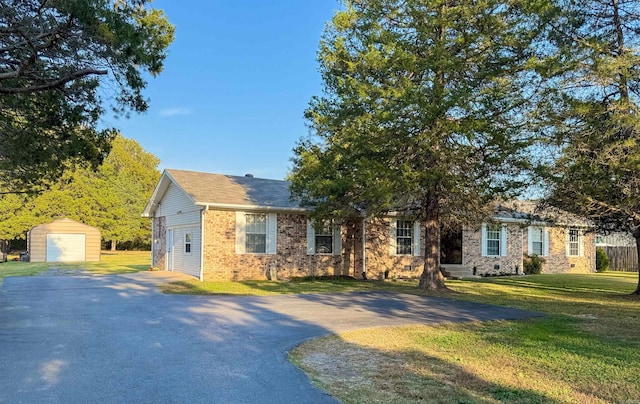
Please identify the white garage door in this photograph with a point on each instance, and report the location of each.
(65, 247)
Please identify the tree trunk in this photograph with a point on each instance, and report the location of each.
(636, 235)
(113, 245)
(431, 278)
(4, 248)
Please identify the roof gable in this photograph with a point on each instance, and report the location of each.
(225, 191)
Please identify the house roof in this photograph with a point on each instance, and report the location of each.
(233, 192)
(534, 211)
(226, 191)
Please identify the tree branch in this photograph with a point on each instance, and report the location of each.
(55, 83)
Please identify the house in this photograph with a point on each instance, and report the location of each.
(221, 227)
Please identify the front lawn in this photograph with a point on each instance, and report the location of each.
(267, 288)
(110, 263)
(587, 350)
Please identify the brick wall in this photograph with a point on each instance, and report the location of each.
(158, 242)
(291, 260)
(222, 263)
(472, 252)
(557, 261)
(517, 245)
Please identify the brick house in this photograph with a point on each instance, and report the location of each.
(220, 227)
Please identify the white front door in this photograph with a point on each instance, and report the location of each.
(169, 249)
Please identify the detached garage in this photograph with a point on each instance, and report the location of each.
(64, 240)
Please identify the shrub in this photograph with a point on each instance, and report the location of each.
(602, 260)
(532, 264)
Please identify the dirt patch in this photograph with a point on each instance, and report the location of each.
(62, 272)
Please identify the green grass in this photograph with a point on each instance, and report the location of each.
(110, 263)
(267, 288)
(586, 350)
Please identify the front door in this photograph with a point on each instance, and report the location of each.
(169, 249)
(451, 247)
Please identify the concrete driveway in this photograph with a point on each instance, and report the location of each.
(103, 339)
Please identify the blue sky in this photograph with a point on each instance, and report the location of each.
(236, 82)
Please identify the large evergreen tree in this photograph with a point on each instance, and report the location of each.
(594, 79)
(422, 113)
(54, 57)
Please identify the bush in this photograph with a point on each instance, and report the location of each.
(532, 264)
(602, 260)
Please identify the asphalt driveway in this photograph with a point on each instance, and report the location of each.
(102, 339)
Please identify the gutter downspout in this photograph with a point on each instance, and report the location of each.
(202, 217)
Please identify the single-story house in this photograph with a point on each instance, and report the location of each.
(221, 227)
(63, 240)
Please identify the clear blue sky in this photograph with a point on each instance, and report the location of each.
(236, 82)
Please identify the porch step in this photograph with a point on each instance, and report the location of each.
(458, 272)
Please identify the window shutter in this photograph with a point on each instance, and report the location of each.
(337, 240)
(311, 238)
(566, 243)
(272, 229)
(503, 240)
(483, 239)
(416, 238)
(241, 238)
(529, 240)
(581, 243)
(393, 229)
(545, 242)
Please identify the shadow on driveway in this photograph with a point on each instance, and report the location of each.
(117, 339)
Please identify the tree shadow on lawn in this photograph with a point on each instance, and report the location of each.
(357, 373)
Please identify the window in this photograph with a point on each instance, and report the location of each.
(404, 237)
(256, 233)
(404, 230)
(573, 242)
(537, 240)
(324, 237)
(187, 243)
(493, 239)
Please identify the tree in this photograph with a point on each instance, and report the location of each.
(111, 198)
(595, 76)
(422, 113)
(54, 57)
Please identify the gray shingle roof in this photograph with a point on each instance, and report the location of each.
(206, 188)
(532, 210)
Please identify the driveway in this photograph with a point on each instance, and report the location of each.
(82, 339)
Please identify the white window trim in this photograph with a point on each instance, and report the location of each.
(190, 242)
(415, 239)
(545, 240)
(580, 242)
(503, 241)
(241, 233)
(336, 239)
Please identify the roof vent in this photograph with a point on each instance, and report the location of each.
(249, 175)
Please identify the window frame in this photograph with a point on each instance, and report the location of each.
(408, 230)
(573, 243)
(495, 229)
(188, 242)
(251, 232)
(328, 229)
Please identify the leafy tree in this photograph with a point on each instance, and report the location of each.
(595, 75)
(422, 113)
(54, 57)
(111, 198)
